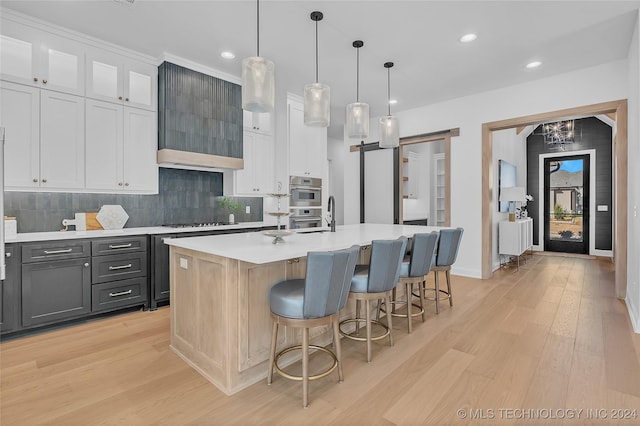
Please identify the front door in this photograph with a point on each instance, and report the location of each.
(566, 204)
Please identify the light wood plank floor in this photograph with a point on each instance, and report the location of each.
(550, 336)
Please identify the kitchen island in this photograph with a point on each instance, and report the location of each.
(220, 316)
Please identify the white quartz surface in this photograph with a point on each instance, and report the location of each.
(150, 230)
(253, 247)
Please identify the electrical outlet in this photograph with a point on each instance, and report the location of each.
(184, 263)
(247, 210)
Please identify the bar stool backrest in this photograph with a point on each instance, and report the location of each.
(328, 280)
(448, 246)
(386, 259)
(424, 247)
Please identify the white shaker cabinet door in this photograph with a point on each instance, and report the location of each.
(104, 77)
(20, 116)
(264, 164)
(139, 153)
(61, 65)
(18, 54)
(140, 85)
(245, 178)
(61, 140)
(104, 145)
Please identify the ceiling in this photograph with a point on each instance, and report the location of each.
(420, 37)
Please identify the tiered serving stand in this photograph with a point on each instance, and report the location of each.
(278, 233)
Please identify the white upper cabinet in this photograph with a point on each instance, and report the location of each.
(307, 145)
(121, 145)
(114, 78)
(258, 175)
(20, 116)
(257, 122)
(40, 59)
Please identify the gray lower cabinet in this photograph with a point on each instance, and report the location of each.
(119, 273)
(10, 291)
(55, 290)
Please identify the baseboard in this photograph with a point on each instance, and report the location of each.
(465, 272)
(633, 315)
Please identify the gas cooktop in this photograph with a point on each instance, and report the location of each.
(194, 225)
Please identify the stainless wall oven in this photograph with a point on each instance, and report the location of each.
(305, 192)
(302, 218)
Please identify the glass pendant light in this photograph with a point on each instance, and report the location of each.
(316, 95)
(389, 130)
(357, 121)
(258, 79)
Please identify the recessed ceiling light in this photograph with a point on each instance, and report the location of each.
(393, 101)
(468, 37)
(228, 55)
(534, 64)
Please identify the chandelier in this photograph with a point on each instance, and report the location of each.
(558, 134)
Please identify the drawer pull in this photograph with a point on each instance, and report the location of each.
(115, 268)
(119, 246)
(294, 260)
(58, 251)
(122, 293)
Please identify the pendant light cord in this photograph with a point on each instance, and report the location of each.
(258, 27)
(316, 51)
(358, 74)
(389, 91)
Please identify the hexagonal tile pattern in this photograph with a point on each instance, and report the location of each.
(112, 216)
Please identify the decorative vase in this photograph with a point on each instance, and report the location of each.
(232, 219)
(512, 217)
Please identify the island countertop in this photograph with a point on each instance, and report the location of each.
(254, 247)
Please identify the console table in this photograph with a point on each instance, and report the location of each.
(515, 238)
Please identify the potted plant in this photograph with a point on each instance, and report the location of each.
(230, 206)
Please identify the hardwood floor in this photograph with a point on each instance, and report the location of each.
(527, 346)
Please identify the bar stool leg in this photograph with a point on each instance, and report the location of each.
(409, 289)
(388, 297)
(338, 347)
(272, 353)
(421, 286)
(448, 274)
(368, 325)
(437, 293)
(305, 367)
(357, 333)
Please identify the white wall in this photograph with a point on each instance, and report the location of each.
(602, 83)
(512, 147)
(633, 253)
(336, 171)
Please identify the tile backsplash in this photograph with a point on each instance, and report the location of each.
(185, 196)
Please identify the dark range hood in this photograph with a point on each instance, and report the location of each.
(199, 120)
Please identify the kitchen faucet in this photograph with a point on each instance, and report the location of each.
(331, 207)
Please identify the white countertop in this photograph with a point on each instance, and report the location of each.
(149, 230)
(253, 247)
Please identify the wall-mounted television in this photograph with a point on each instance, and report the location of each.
(507, 177)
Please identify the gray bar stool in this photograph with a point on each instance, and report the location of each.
(414, 271)
(376, 282)
(313, 301)
(448, 246)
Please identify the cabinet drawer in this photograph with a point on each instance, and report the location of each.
(106, 246)
(119, 294)
(54, 250)
(118, 267)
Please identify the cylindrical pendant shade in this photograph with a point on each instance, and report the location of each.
(389, 132)
(317, 105)
(258, 84)
(357, 121)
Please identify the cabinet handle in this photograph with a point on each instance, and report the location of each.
(86, 265)
(126, 99)
(44, 81)
(120, 98)
(35, 79)
(122, 293)
(44, 181)
(7, 254)
(119, 183)
(115, 268)
(295, 260)
(126, 184)
(119, 246)
(35, 180)
(58, 251)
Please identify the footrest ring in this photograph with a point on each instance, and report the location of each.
(445, 297)
(402, 302)
(299, 378)
(358, 338)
